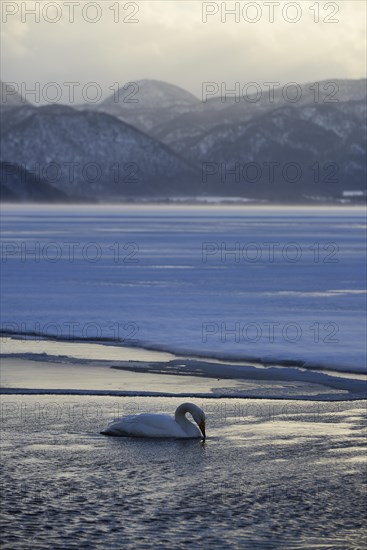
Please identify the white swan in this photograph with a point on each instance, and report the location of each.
(161, 425)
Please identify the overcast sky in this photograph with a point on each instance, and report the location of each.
(171, 42)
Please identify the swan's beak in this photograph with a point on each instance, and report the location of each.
(202, 428)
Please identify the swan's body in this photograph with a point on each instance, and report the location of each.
(161, 425)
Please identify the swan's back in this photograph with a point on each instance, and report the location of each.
(146, 425)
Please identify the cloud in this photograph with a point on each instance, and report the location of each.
(170, 42)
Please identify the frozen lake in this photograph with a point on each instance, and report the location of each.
(255, 314)
(249, 283)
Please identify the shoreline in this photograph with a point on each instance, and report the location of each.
(174, 378)
(113, 349)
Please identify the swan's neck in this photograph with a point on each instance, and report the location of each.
(180, 417)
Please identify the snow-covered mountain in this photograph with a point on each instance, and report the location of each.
(147, 103)
(157, 145)
(11, 116)
(326, 144)
(19, 185)
(218, 111)
(91, 154)
(13, 107)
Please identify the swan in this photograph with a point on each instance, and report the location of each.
(161, 425)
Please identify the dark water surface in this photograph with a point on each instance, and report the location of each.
(271, 475)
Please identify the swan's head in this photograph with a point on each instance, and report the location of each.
(201, 425)
(199, 418)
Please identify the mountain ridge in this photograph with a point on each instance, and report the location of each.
(169, 144)
(87, 139)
